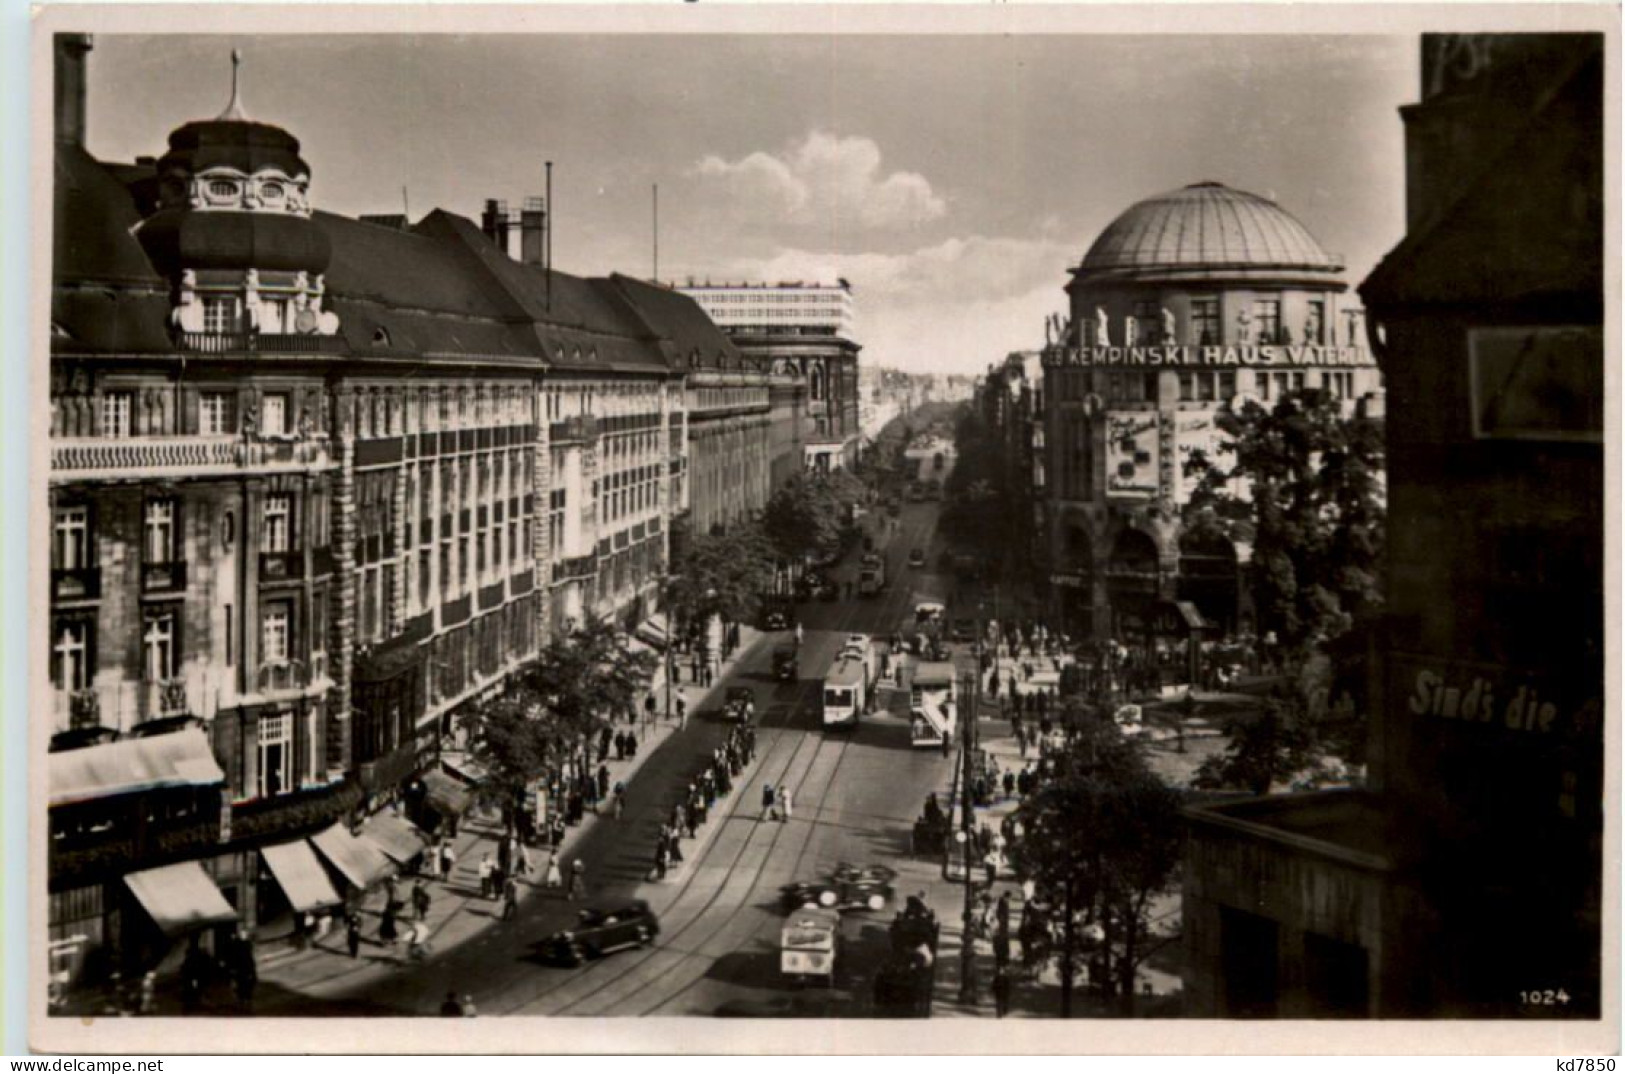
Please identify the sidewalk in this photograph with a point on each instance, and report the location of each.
(457, 912)
(289, 975)
(1034, 994)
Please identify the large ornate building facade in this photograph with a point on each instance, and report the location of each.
(315, 483)
(1186, 302)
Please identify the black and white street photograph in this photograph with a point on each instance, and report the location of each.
(908, 524)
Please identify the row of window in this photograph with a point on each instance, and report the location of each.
(73, 536)
(1259, 323)
(73, 642)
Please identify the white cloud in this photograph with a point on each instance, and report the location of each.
(968, 270)
(953, 306)
(824, 180)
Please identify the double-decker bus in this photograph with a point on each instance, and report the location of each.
(933, 703)
(848, 684)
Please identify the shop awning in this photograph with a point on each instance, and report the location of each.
(358, 861)
(180, 759)
(448, 797)
(398, 839)
(461, 768)
(652, 631)
(181, 898)
(302, 877)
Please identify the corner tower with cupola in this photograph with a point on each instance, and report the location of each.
(232, 229)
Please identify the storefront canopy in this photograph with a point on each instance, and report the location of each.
(181, 898)
(180, 759)
(448, 797)
(398, 839)
(652, 632)
(302, 877)
(358, 861)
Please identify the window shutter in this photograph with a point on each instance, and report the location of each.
(189, 415)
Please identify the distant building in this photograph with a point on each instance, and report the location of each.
(799, 328)
(1186, 302)
(1466, 882)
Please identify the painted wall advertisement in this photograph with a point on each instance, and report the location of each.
(1132, 454)
(1497, 700)
(1197, 432)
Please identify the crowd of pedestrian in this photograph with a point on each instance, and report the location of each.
(714, 781)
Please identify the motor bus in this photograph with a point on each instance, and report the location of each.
(846, 689)
(933, 704)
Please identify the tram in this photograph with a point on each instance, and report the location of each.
(848, 685)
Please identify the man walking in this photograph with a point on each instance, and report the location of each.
(767, 802)
(1001, 992)
(510, 898)
(578, 880)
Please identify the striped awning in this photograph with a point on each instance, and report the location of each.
(179, 759)
(301, 876)
(181, 898)
(399, 839)
(446, 794)
(357, 860)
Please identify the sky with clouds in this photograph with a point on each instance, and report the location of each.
(953, 180)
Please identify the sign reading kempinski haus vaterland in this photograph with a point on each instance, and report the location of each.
(1285, 354)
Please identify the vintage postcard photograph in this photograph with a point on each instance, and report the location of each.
(823, 529)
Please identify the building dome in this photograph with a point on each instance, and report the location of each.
(1207, 231)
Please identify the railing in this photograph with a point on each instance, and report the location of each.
(165, 697)
(282, 677)
(580, 427)
(183, 454)
(76, 583)
(260, 343)
(163, 577)
(572, 569)
(281, 566)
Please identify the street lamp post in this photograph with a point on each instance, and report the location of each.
(967, 746)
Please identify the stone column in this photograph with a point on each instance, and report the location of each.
(397, 589)
(342, 611)
(542, 553)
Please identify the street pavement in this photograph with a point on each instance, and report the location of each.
(856, 795)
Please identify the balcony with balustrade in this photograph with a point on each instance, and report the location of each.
(290, 679)
(161, 578)
(144, 457)
(75, 583)
(260, 343)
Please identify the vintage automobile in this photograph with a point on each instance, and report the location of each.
(739, 704)
(778, 613)
(600, 931)
(916, 558)
(809, 943)
(785, 662)
(850, 887)
(904, 982)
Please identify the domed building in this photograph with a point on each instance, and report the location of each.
(1188, 301)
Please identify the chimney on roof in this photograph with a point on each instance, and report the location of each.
(495, 223)
(71, 50)
(533, 231)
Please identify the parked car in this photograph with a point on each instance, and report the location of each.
(849, 887)
(778, 613)
(739, 704)
(916, 558)
(601, 931)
